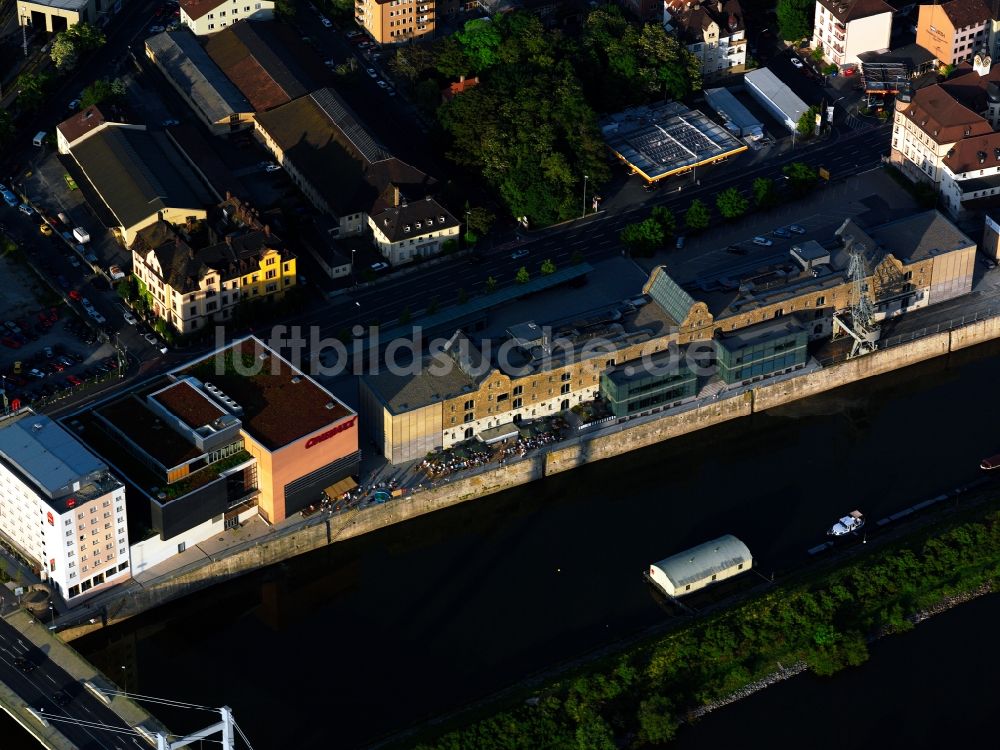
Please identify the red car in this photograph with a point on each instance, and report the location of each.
(53, 315)
(73, 380)
(10, 343)
(74, 294)
(59, 366)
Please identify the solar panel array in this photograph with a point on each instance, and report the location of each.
(662, 139)
(340, 114)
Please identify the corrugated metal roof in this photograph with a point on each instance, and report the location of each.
(47, 454)
(705, 560)
(727, 105)
(768, 85)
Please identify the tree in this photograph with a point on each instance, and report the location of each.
(32, 89)
(697, 217)
(471, 238)
(160, 327)
(480, 219)
(801, 176)
(449, 58)
(643, 237)
(665, 218)
(731, 203)
(548, 267)
(85, 36)
(807, 122)
(491, 284)
(795, 19)
(411, 62)
(480, 40)
(656, 724)
(764, 194)
(522, 276)
(284, 9)
(427, 96)
(63, 52)
(103, 90)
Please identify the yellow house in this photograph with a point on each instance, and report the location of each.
(194, 279)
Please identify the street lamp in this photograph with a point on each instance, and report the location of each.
(354, 276)
(584, 197)
(124, 679)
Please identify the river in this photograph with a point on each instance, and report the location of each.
(376, 633)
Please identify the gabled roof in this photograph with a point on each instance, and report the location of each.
(195, 9)
(81, 123)
(938, 114)
(254, 59)
(853, 10)
(964, 13)
(138, 173)
(322, 139)
(977, 152)
(409, 220)
(691, 19)
(183, 59)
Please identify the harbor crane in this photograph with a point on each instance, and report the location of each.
(859, 321)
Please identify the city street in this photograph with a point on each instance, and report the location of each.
(48, 685)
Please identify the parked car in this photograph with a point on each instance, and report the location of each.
(680, 242)
(36, 373)
(116, 273)
(518, 254)
(325, 21)
(18, 367)
(372, 72)
(73, 105)
(45, 229)
(382, 84)
(379, 266)
(73, 380)
(737, 250)
(12, 326)
(272, 168)
(169, 122)
(25, 209)
(796, 62)
(156, 29)
(762, 241)
(781, 232)
(73, 261)
(796, 229)
(150, 338)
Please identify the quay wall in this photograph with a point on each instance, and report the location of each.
(626, 438)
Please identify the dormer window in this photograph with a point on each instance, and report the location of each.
(440, 219)
(406, 228)
(418, 225)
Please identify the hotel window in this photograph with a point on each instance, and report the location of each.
(516, 403)
(469, 417)
(518, 390)
(211, 16)
(469, 404)
(564, 388)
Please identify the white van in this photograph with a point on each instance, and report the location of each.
(81, 234)
(39, 138)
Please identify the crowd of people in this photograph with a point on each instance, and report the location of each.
(449, 461)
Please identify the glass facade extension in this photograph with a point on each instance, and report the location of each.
(760, 351)
(664, 382)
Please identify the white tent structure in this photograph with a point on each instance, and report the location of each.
(701, 566)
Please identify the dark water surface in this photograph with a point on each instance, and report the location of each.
(343, 645)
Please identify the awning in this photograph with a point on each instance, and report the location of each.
(342, 487)
(498, 433)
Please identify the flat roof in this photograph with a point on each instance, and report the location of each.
(80, 123)
(280, 403)
(402, 393)
(185, 61)
(189, 404)
(47, 455)
(661, 139)
(131, 417)
(776, 91)
(723, 102)
(75, 5)
(760, 332)
(920, 236)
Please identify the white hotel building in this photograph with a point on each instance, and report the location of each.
(61, 508)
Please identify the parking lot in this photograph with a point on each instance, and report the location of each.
(47, 352)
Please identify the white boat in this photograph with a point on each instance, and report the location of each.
(851, 522)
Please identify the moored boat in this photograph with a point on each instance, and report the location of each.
(993, 462)
(851, 522)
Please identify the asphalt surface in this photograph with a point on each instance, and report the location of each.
(592, 239)
(38, 689)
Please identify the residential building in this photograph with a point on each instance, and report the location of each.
(930, 125)
(758, 322)
(460, 86)
(200, 82)
(404, 230)
(61, 508)
(211, 16)
(238, 433)
(665, 139)
(141, 176)
(970, 176)
(714, 32)
(396, 21)
(79, 126)
(333, 159)
(844, 29)
(993, 34)
(53, 16)
(263, 62)
(200, 272)
(954, 31)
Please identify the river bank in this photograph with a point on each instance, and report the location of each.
(826, 622)
(586, 449)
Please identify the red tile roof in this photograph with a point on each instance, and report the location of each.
(852, 10)
(964, 13)
(195, 9)
(978, 152)
(936, 112)
(456, 88)
(81, 123)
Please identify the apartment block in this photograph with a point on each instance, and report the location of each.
(395, 21)
(845, 29)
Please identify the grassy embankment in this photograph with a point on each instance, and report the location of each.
(826, 621)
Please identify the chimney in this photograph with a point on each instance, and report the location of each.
(718, 6)
(229, 196)
(461, 79)
(267, 230)
(395, 196)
